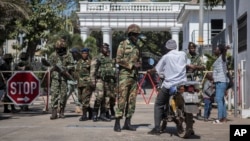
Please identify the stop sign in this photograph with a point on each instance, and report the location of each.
(23, 87)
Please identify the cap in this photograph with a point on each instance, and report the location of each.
(85, 50)
(171, 44)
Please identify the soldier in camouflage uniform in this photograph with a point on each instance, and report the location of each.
(4, 76)
(101, 73)
(196, 65)
(128, 59)
(195, 68)
(109, 81)
(84, 82)
(72, 84)
(62, 59)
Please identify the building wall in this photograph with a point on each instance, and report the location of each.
(242, 8)
(191, 25)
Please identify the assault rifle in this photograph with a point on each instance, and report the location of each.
(64, 72)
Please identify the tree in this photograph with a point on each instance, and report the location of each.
(213, 3)
(10, 10)
(46, 18)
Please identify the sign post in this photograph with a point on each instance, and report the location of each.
(23, 87)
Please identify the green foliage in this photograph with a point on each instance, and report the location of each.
(90, 43)
(46, 19)
(213, 3)
(77, 41)
(210, 61)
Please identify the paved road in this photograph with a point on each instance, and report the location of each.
(36, 126)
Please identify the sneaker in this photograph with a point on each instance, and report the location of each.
(154, 131)
(217, 122)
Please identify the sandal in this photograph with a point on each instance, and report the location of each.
(217, 122)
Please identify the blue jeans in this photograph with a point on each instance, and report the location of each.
(207, 107)
(220, 89)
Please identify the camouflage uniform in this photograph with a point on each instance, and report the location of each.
(128, 59)
(84, 85)
(195, 74)
(108, 72)
(72, 87)
(58, 82)
(4, 76)
(100, 67)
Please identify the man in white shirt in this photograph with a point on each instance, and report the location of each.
(173, 68)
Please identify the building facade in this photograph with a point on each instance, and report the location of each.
(237, 30)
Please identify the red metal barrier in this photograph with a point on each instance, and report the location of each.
(140, 89)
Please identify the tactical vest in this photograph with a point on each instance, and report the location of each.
(194, 74)
(106, 68)
(83, 66)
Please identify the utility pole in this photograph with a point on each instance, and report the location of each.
(235, 54)
(201, 15)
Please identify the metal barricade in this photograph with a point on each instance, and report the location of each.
(140, 89)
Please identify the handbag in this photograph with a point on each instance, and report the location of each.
(210, 93)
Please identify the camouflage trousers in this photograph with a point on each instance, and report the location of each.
(99, 99)
(126, 97)
(84, 95)
(109, 88)
(73, 90)
(58, 91)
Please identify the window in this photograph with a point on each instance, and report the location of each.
(216, 26)
(242, 33)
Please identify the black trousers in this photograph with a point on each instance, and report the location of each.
(161, 101)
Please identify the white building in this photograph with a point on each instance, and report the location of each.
(117, 16)
(214, 21)
(241, 37)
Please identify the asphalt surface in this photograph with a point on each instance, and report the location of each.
(35, 125)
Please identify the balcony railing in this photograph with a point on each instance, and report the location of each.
(131, 6)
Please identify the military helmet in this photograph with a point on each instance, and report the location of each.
(7, 56)
(133, 28)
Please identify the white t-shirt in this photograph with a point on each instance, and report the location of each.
(173, 67)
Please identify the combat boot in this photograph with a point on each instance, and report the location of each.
(104, 118)
(6, 110)
(54, 114)
(84, 115)
(112, 112)
(61, 113)
(13, 109)
(127, 125)
(94, 118)
(117, 127)
(89, 113)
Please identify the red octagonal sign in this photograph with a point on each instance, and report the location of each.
(23, 87)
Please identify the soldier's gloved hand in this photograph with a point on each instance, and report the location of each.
(137, 65)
